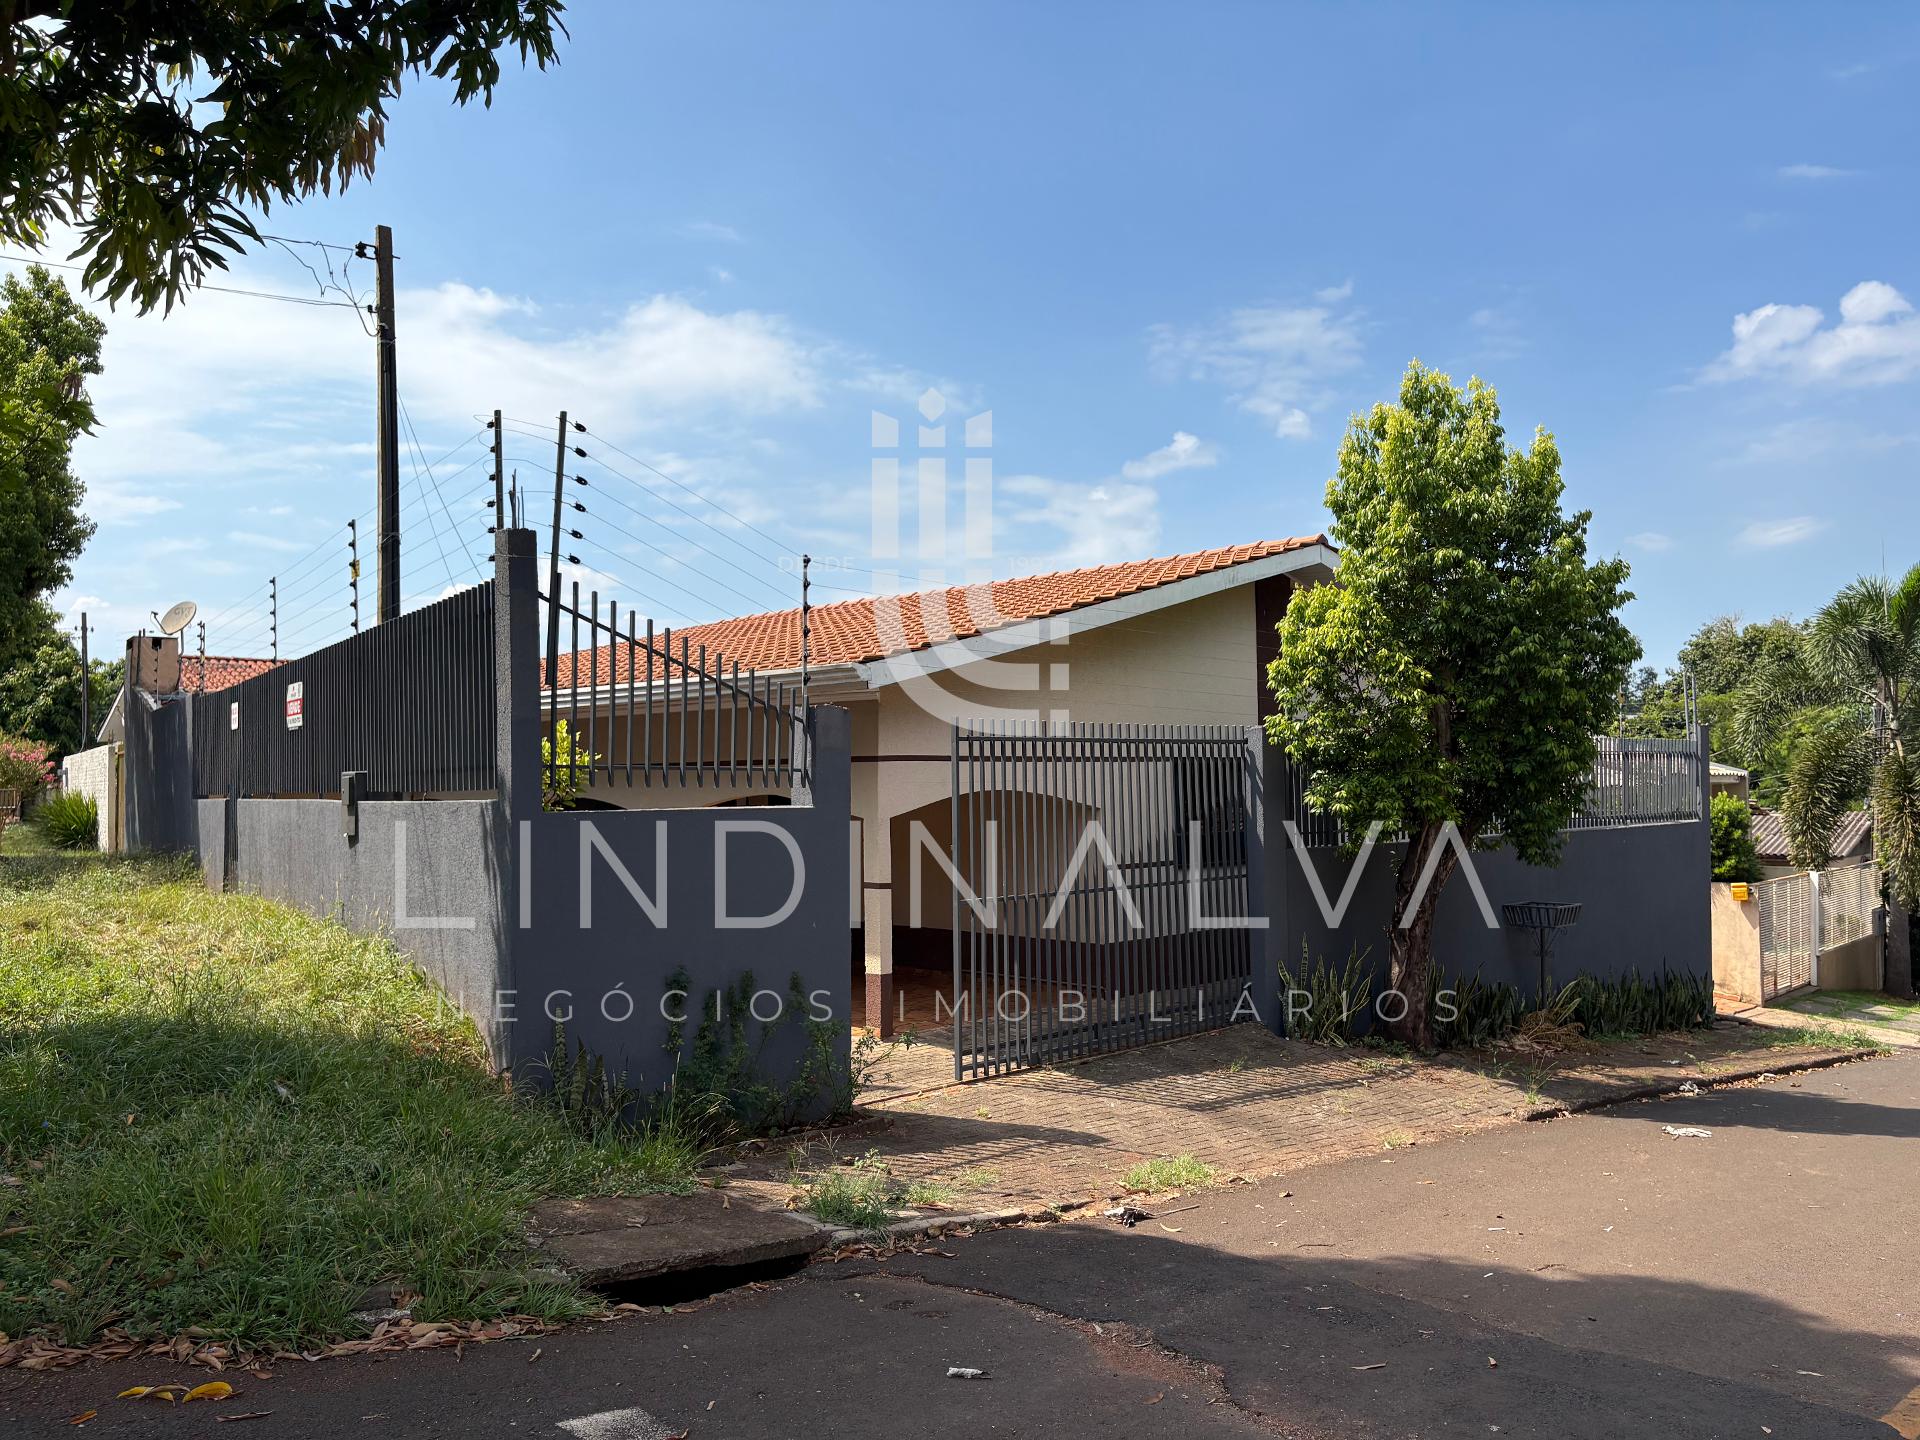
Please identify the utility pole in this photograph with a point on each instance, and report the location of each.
(86, 688)
(201, 684)
(553, 557)
(388, 605)
(273, 614)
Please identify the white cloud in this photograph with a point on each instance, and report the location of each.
(111, 503)
(1771, 534)
(1875, 342)
(710, 230)
(256, 540)
(1814, 438)
(1100, 522)
(1334, 294)
(1183, 452)
(1498, 333)
(1273, 360)
(1651, 540)
(1814, 172)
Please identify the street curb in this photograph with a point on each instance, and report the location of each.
(917, 1227)
(1673, 1086)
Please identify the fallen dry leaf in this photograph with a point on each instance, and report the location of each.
(212, 1390)
(82, 1417)
(1377, 1365)
(245, 1415)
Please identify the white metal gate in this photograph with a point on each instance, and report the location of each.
(1786, 934)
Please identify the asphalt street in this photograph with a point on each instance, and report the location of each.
(1592, 1276)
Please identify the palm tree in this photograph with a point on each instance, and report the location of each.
(1851, 689)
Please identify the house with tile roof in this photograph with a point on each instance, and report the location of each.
(1851, 843)
(198, 674)
(1175, 640)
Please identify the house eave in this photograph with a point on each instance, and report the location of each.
(1004, 640)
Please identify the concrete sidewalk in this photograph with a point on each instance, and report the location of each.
(1246, 1104)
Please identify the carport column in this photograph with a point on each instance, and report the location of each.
(516, 666)
(876, 918)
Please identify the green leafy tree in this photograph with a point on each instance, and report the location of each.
(1734, 856)
(40, 695)
(154, 128)
(48, 346)
(1719, 658)
(1457, 672)
(1849, 689)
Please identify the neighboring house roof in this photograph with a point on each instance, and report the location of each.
(851, 632)
(1853, 835)
(217, 672)
(1726, 772)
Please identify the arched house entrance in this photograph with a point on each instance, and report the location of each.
(1118, 694)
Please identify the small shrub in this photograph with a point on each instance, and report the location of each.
(24, 765)
(1335, 997)
(1630, 1004)
(69, 821)
(1734, 855)
(1483, 1013)
(1180, 1172)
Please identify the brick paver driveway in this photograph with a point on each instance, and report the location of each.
(1240, 1100)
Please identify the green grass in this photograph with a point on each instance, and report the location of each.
(1817, 1037)
(864, 1194)
(24, 840)
(1846, 1000)
(219, 1113)
(1180, 1172)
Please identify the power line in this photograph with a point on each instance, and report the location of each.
(420, 463)
(690, 490)
(700, 600)
(223, 289)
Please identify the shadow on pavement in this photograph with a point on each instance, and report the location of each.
(1335, 1343)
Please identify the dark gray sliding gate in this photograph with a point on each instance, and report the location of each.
(1109, 863)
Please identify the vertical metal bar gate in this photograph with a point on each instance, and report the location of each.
(1103, 868)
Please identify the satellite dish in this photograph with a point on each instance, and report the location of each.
(178, 617)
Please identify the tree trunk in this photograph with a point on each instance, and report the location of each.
(1899, 972)
(1410, 938)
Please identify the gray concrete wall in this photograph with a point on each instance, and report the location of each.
(160, 809)
(439, 910)
(604, 958)
(1643, 889)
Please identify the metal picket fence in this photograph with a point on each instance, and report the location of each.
(1786, 933)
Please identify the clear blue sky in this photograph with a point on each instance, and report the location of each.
(1170, 248)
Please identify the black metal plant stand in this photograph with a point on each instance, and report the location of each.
(1547, 918)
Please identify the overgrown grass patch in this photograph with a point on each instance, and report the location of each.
(1178, 1172)
(216, 1112)
(1818, 1037)
(864, 1194)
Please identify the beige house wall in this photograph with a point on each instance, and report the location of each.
(1854, 965)
(99, 773)
(1189, 664)
(1736, 944)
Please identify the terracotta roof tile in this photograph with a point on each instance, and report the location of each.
(217, 672)
(852, 631)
